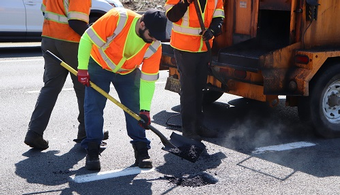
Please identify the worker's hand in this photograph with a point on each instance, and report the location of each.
(84, 77)
(145, 116)
(207, 34)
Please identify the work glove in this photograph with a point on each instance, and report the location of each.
(145, 116)
(207, 34)
(84, 77)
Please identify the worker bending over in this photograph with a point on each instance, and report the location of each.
(112, 51)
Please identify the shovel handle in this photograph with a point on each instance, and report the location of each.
(200, 20)
(164, 140)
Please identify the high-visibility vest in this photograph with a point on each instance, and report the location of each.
(56, 16)
(185, 33)
(109, 35)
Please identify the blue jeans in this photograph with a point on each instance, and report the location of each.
(127, 87)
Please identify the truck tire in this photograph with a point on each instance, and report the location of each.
(324, 102)
(211, 96)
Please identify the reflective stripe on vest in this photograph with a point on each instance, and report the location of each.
(62, 18)
(43, 8)
(218, 13)
(56, 17)
(103, 45)
(147, 77)
(186, 30)
(185, 20)
(117, 68)
(121, 23)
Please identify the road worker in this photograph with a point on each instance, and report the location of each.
(192, 57)
(112, 51)
(65, 21)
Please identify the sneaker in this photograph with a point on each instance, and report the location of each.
(205, 132)
(35, 141)
(92, 157)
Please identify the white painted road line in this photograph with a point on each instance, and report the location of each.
(31, 59)
(64, 89)
(282, 147)
(109, 174)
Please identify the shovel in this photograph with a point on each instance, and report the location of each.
(183, 147)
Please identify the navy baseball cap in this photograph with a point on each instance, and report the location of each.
(155, 20)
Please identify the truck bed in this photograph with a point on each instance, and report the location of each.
(245, 55)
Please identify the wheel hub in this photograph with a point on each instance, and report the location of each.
(331, 103)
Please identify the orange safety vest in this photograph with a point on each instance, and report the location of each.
(58, 12)
(109, 35)
(185, 33)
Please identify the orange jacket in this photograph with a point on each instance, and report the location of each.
(58, 12)
(109, 34)
(185, 34)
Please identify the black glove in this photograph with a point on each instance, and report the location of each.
(207, 34)
(145, 116)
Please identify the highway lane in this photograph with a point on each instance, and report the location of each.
(261, 150)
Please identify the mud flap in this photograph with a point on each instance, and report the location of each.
(173, 84)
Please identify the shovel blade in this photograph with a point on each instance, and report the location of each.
(185, 148)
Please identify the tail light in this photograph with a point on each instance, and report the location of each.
(302, 59)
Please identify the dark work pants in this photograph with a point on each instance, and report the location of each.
(193, 69)
(54, 79)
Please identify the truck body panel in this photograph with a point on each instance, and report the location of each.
(269, 48)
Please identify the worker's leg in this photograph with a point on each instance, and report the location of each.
(201, 81)
(69, 52)
(95, 103)
(127, 87)
(54, 78)
(187, 67)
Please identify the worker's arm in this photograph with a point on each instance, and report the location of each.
(177, 11)
(84, 51)
(78, 12)
(78, 26)
(146, 92)
(218, 17)
(216, 25)
(149, 76)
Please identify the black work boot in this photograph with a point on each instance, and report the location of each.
(35, 140)
(141, 155)
(82, 135)
(191, 134)
(92, 157)
(203, 131)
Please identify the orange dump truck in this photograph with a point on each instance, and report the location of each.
(277, 47)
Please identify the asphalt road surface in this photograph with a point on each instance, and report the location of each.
(260, 150)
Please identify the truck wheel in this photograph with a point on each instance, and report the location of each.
(324, 103)
(211, 96)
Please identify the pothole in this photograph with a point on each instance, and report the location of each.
(196, 180)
